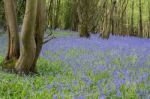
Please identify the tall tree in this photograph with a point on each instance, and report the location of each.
(108, 22)
(13, 36)
(27, 41)
(132, 18)
(57, 13)
(83, 17)
(50, 13)
(31, 37)
(148, 19)
(140, 19)
(70, 15)
(39, 30)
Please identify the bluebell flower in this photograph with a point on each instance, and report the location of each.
(95, 54)
(75, 83)
(55, 97)
(118, 93)
(102, 97)
(82, 97)
(49, 86)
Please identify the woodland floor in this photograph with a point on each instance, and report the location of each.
(80, 68)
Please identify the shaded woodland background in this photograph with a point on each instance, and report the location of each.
(118, 17)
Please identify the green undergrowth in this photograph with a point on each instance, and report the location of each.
(57, 81)
(62, 34)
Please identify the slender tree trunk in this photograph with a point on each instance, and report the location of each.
(39, 30)
(140, 20)
(56, 19)
(13, 37)
(75, 19)
(112, 16)
(148, 19)
(27, 40)
(132, 19)
(50, 13)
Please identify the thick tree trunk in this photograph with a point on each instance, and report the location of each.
(106, 31)
(82, 11)
(13, 37)
(39, 30)
(27, 40)
(83, 31)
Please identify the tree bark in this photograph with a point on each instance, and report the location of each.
(140, 19)
(13, 36)
(56, 19)
(83, 18)
(148, 19)
(132, 19)
(106, 24)
(27, 40)
(39, 30)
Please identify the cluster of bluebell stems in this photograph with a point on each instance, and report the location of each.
(125, 59)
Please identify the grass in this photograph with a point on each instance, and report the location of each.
(60, 34)
(56, 79)
(53, 80)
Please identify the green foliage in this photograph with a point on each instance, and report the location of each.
(61, 34)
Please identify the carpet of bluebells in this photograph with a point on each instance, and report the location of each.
(79, 68)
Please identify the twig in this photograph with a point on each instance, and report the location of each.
(46, 41)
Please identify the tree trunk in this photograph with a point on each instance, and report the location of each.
(82, 11)
(27, 40)
(132, 19)
(148, 19)
(83, 31)
(39, 30)
(50, 13)
(13, 37)
(107, 22)
(140, 20)
(56, 19)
